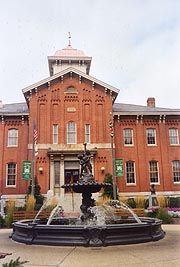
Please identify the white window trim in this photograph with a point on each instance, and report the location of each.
(75, 133)
(10, 186)
(154, 137)
(155, 183)
(16, 145)
(131, 184)
(177, 144)
(128, 145)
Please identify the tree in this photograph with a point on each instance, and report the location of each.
(37, 191)
(108, 190)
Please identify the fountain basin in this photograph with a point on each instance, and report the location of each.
(61, 233)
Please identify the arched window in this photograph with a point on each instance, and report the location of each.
(12, 137)
(71, 133)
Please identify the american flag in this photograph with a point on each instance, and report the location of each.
(35, 137)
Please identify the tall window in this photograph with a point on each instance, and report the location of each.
(153, 172)
(87, 133)
(130, 172)
(57, 173)
(173, 136)
(11, 174)
(128, 136)
(176, 171)
(151, 136)
(71, 133)
(12, 137)
(55, 134)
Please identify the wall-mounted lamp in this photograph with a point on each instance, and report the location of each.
(41, 170)
(102, 169)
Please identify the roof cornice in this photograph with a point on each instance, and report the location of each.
(70, 70)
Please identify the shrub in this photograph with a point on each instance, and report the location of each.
(160, 214)
(174, 202)
(16, 263)
(131, 203)
(140, 201)
(108, 191)
(10, 208)
(164, 216)
(162, 201)
(30, 203)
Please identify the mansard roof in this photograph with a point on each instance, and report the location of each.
(131, 109)
(14, 109)
(69, 71)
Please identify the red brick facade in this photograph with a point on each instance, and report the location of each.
(72, 96)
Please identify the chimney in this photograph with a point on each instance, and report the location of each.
(151, 102)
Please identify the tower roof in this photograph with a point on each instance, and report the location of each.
(69, 52)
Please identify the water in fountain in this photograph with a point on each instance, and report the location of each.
(49, 198)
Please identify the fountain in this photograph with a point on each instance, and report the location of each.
(96, 226)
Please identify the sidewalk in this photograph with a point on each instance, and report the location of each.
(164, 253)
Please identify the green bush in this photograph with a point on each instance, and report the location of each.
(16, 263)
(164, 216)
(108, 191)
(131, 203)
(10, 208)
(174, 202)
(160, 214)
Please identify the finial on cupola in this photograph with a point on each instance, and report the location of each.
(69, 36)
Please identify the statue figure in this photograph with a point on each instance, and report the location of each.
(152, 189)
(86, 167)
(153, 202)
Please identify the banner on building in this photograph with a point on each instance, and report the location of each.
(119, 168)
(26, 170)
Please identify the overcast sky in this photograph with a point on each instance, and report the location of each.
(134, 44)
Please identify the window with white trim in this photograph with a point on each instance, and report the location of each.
(176, 171)
(12, 137)
(87, 133)
(55, 134)
(151, 136)
(11, 173)
(128, 136)
(130, 173)
(173, 136)
(153, 172)
(71, 133)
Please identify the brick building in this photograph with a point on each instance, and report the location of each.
(71, 107)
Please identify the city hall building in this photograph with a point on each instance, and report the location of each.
(70, 108)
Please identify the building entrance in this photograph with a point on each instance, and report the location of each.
(71, 176)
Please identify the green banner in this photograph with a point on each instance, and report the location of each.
(119, 168)
(26, 170)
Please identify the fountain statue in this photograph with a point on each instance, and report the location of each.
(96, 225)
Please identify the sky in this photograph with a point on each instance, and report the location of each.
(134, 44)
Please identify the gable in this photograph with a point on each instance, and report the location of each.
(71, 74)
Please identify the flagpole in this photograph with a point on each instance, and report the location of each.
(113, 157)
(33, 160)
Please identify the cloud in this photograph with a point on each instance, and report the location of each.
(135, 45)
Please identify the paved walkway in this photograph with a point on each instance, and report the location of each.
(164, 253)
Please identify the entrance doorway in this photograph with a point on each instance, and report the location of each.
(71, 176)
